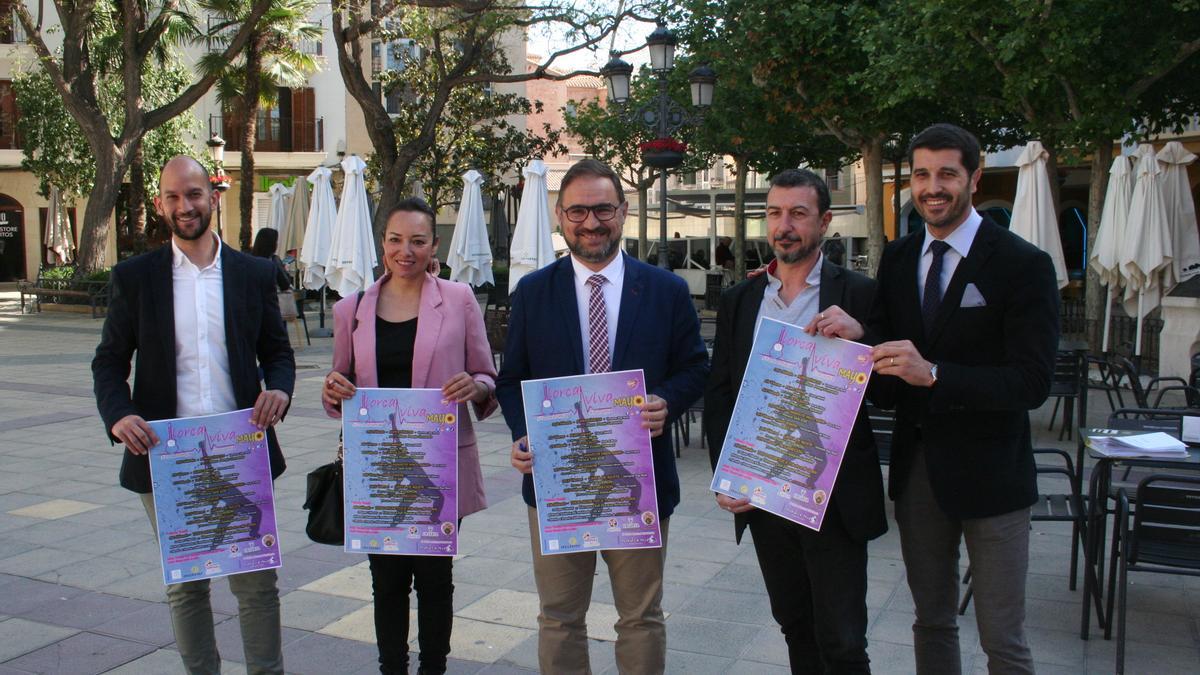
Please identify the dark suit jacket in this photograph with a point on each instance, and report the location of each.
(858, 495)
(657, 331)
(141, 320)
(994, 363)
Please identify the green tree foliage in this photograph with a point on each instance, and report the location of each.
(271, 58)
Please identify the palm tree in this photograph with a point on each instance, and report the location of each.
(271, 59)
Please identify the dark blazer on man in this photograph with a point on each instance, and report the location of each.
(141, 320)
(858, 495)
(657, 331)
(995, 362)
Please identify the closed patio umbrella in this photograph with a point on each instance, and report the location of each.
(314, 254)
(1106, 254)
(1034, 218)
(470, 256)
(291, 237)
(60, 247)
(280, 198)
(1181, 214)
(352, 248)
(532, 248)
(1146, 250)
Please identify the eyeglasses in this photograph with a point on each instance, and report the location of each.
(579, 213)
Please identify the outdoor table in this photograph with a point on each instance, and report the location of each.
(1098, 488)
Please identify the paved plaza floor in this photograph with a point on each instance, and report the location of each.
(81, 588)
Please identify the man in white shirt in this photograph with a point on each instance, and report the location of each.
(198, 319)
(600, 311)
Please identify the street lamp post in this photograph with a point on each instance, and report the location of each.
(661, 114)
(216, 151)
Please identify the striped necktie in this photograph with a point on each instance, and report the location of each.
(599, 360)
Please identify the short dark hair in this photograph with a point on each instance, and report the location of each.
(945, 136)
(591, 167)
(415, 205)
(789, 178)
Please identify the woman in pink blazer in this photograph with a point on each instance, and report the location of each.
(415, 330)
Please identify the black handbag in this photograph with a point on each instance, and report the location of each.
(323, 498)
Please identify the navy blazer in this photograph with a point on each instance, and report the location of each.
(140, 326)
(858, 494)
(995, 363)
(657, 331)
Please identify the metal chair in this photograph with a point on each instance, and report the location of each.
(1127, 374)
(1064, 389)
(1164, 538)
(883, 424)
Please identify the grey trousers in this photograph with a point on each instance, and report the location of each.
(998, 547)
(192, 618)
(564, 584)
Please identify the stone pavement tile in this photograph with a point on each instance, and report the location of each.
(1049, 613)
(467, 593)
(757, 668)
(1054, 587)
(720, 638)
(508, 548)
(151, 625)
(12, 501)
(709, 550)
(158, 661)
(495, 571)
(81, 653)
(107, 540)
(484, 642)
(322, 654)
(689, 662)
(1157, 628)
(51, 532)
(358, 625)
(313, 611)
(526, 582)
(746, 608)
(884, 569)
(19, 636)
(146, 585)
(326, 553)
(112, 515)
(896, 628)
(674, 595)
(734, 577)
(1057, 647)
(514, 608)
(19, 595)
(979, 667)
(499, 669)
(229, 639)
(1101, 657)
(895, 659)
(524, 656)
(351, 582)
(767, 647)
(95, 573)
(472, 538)
(879, 594)
(297, 571)
(11, 547)
(85, 611)
(1140, 597)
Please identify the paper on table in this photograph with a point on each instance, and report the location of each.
(1154, 442)
(1106, 445)
(1191, 429)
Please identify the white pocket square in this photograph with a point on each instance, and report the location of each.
(972, 297)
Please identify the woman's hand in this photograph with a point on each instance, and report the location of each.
(336, 389)
(462, 388)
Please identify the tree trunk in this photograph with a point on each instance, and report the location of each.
(250, 104)
(1094, 294)
(897, 165)
(643, 188)
(97, 218)
(872, 158)
(739, 218)
(137, 193)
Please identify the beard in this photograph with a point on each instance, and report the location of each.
(595, 255)
(958, 205)
(204, 218)
(797, 253)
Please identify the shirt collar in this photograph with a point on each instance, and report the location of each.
(813, 278)
(961, 238)
(614, 271)
(178, 258)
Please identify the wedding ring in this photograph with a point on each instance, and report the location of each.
(893, 360)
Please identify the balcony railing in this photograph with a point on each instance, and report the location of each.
(11, 31)
(274, 133)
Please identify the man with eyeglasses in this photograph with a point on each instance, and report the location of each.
(599, 310)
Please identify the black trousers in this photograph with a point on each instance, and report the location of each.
(817, 584)
(392, 578)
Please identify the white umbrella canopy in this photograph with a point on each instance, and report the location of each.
(1146, 250)
(314, 254)
(532, 248)
(1181, 214)
(352, 247)
(1106, 253)
(1034, 218)
(280, 198)
(470, 256)
(59, 245)
(291, 237)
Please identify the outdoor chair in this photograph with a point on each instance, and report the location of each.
(682, 428)
(883, 423)
(1105, 380)
(1164, 538)
(1065, 388)
(1127, 374)
(495, 324)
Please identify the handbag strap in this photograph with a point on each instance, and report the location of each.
(353, 328)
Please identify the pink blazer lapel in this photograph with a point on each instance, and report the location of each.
(366, 373)
(429, 327)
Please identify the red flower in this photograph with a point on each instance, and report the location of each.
(663, 145)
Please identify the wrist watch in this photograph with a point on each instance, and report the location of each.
(933, 374)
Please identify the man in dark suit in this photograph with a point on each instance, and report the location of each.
(968, 316)
(599, 310)
(199, 319)
(816, 581)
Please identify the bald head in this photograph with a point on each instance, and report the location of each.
(185, 164)
(185, 198)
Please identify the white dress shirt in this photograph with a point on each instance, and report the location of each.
(614, 272)
(803, 307)
(960, 241)
(203, 384)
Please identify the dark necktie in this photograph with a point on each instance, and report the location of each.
(598, 356)
(933, 283)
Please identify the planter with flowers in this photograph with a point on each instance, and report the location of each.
(663, 153)
(220, 181)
